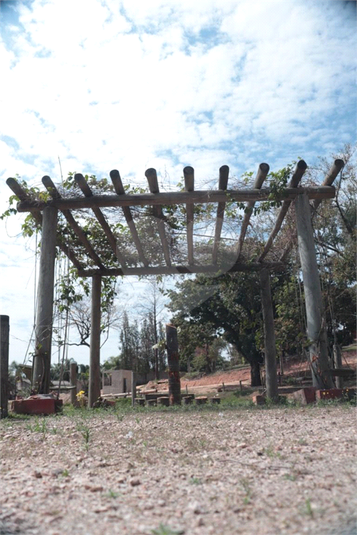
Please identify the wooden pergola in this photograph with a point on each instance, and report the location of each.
(113, 258)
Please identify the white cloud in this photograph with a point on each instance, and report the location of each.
(167, 83)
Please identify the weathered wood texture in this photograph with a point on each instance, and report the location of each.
(173, 365)
(94, 356)
(73, 378)
(44, 314)
(336, 168)
(269, 336)
(158, 214)
(316, 328)
(259, 179)
(172, 198)
(4, 365)
(222, 185)
(175, 270)
(188, 173)
(119, 189)
(294, 181)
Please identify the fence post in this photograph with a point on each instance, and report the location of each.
(73, 377)
(173, 365)
(4, 365)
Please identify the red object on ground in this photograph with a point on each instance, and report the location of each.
(36, 406)
(258, 399)
(305, 395)
(332, 393)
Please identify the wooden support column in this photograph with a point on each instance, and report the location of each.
(94, 355)
(73, 378)
(44, 314)
(173, 365)
(316, 327)
(269, 336)
(4, 365)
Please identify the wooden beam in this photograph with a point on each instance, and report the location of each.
(119, 189)
(269, 336)
(335, 169)
(44, 313)
(49, 185)
(263, 170)
(173, 365)
(174, 270)
(172, 198)
(222, 186)
(73, 379)
(82, 183)
(316, 325)
(158, 214)
(4, 365)
(295, 179)
(189, 176)
(94, 355)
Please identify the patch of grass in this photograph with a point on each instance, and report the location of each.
(166, 530)
(308, 509)
(290, 477)
(247, 489)
(112, 494)
(195, 481)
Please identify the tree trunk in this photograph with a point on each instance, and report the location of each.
(173, 365)
(255, 379)
(44, 313)
(316, 324)
(269, 336)
(4, 365)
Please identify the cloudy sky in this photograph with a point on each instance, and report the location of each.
(132, 84)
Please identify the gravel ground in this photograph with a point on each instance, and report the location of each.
(244, 471)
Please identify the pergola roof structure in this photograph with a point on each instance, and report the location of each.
(110, 255)
(145, 241)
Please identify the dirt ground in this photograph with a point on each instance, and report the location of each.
(281, 471)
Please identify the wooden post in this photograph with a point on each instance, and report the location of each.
(316, 328)
(73, 377)
(4, 365)
(337, 362)
(173, 365)
(44, 314)
(94, 355)
(133, 386)
(269, 336)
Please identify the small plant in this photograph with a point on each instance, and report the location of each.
(308, 508)
(65, 473)
(166, 530)
(112, 494)
(86, 435)
(196, 481)
(290, 477)
(247, 489)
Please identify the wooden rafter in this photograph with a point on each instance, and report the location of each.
(158, 214)
(189, 176)
(23, 196)
(263, 170)
(119, 189)
(82, 183)
(337, 166)
(172, 198)
(222, 185)
(157, 201)
(294, 181)
(77, 229)
(175, 270)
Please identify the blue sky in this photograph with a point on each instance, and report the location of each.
(134, 84)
